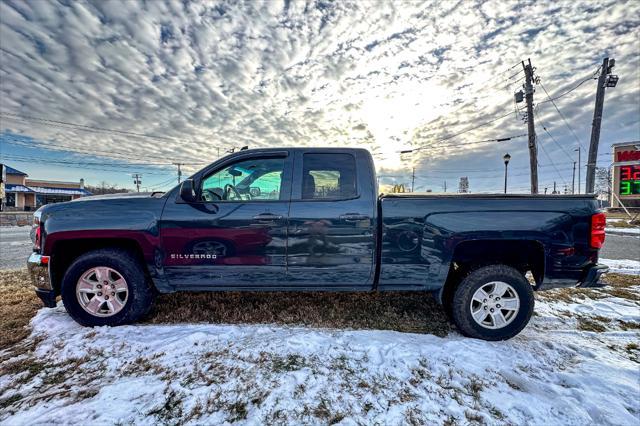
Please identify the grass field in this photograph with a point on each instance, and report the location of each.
(321, 358)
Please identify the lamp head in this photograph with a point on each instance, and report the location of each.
(506, 158)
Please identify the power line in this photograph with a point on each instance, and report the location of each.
(78, 165)
(461, 133)
(552, 163)
(90, 128)
(562, 116)
(112, 153)
(591, 77)
(550, 136)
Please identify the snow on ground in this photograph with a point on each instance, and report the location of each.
(622, 266)
(578, 362)
(622, 231)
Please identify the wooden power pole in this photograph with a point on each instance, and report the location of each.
(604, 80)
(533, 149)
(137, 180)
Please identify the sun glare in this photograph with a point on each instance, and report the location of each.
(392, 119)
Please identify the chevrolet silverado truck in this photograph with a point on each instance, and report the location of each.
(311, 219)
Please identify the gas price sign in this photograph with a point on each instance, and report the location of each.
(630, 180)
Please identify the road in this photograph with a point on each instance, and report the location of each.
(621, 247)
(15, 247)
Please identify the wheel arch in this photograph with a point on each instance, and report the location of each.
(65, 251)
(524, 255)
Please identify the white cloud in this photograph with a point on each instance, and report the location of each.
(383, 75)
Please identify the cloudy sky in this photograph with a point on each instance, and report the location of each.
(103, 89)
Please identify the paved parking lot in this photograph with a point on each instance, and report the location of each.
(15, 246)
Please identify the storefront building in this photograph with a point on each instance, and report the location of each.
(626, 175)
(24, 194)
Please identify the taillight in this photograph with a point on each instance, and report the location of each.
(598, 222)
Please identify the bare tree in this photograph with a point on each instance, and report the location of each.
(604, 181)
(105, 188)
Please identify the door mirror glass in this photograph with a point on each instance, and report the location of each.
(187, 192)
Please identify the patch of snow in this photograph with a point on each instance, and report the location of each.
(622, 231)
(622, 266)
(212, 374)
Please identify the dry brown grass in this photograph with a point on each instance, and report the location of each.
(401, 311)
(19, 304)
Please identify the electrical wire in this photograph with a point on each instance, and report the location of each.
(551, 99)
(562, 116)
(541, 145)
(461, 133)
(88, 128)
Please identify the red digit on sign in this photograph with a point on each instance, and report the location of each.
(636, 173)
(625, 172)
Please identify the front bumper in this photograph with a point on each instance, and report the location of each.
(38, 267)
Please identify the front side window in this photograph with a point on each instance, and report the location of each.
(249, 180)
(328, 176)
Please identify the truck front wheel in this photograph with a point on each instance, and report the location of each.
(493, 302)
(106, 287)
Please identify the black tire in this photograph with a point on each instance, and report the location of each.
(140, 292)
(477, 278)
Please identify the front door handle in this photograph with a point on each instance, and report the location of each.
(353, 217)
(267, 217)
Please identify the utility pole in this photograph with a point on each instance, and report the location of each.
(533, 150)
(137, 180)
(573, 179)
(413, 177)
(179, 171)
(604, 80)
(445, 186)
(579, 167)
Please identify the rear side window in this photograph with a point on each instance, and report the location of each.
(328, 176)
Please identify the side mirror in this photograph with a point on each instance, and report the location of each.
(187, 193)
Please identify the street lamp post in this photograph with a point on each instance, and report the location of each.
(506, 159)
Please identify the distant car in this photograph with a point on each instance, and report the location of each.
(311, 220)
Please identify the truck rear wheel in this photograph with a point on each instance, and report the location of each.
(106, 287)
(493, 302)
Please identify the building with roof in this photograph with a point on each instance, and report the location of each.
(18, 192)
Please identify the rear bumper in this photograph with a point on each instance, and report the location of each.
(38, 267)
(590, 278)
(593, 276)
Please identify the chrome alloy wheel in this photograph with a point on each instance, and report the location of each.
(495, 305)
(102, 291)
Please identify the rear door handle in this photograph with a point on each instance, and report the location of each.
(353, 217)
(267, 217)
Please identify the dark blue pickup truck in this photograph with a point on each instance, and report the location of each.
(311, 219)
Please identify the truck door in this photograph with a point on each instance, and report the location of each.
(331, 236)
(234, 235)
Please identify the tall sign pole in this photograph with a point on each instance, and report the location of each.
(604, 80)
(533, 149)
